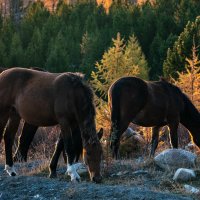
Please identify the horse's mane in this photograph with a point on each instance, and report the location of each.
(190, 113)
(190, 110)
(87, 108)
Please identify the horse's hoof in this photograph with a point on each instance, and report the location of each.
(52, 175)
(76, 180)
(13, 174)
(10, 170)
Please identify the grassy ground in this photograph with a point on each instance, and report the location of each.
(121, 172)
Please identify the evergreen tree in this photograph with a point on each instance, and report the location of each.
(35, 17)
(120, 60)
(134, 56)
(58, 57)
(6, 33)
(3, 55)
(158, 53)
(16, 56)
(176, 56)
(34, 52)
(49, 31)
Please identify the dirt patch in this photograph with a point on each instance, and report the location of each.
(123, 180)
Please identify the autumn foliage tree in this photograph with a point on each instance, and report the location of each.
(122, 59)
(189, 81)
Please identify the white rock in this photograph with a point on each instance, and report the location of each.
(175, 158)
(191, 189)
(122, 173)
(183, 174)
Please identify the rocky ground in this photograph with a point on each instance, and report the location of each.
(122, 180)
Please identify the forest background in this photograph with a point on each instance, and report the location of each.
(105, 40)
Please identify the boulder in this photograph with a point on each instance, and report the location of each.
(132, 143)
(191, 189)
(172, 159)
(183, 174)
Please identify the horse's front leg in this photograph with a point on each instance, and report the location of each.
(154, 140)
(24, 142)
(77, 147)
(174, 134)
(69, 149)
(9, 136)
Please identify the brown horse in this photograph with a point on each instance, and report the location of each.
(150, 104)
(28, 133)
(46, 99)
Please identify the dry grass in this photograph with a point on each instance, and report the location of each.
(114, 172)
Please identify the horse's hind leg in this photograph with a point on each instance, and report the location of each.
(173, 134)
(117, 130)
(25, 139)
(154, 141)
(3, 121)
(9, 136)
(54, 160)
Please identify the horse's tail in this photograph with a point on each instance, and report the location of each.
(114, 103)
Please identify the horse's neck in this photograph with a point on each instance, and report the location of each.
(190, 117)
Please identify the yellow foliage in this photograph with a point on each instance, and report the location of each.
(189, 81)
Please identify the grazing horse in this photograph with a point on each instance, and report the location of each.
(47, 99)
(27, 135)
(150, 104)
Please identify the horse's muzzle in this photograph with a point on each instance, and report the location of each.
(97, 179)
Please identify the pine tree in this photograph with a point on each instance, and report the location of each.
(120, 60)
(16, 56)
(134, 56)
(3, 55)
(176, 56)
(34, 52)
(58, 57)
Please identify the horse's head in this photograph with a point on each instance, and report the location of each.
(92, 155)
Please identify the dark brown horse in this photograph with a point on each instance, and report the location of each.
(28, 133)
(150, 104)
(46, 99)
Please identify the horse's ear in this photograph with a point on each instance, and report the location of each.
(100, 133)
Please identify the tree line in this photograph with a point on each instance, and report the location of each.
(76, 37)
